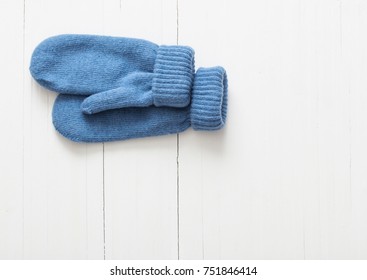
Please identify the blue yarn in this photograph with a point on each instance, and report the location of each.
(123, 72)
(207, 111)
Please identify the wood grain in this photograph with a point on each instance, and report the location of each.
(11, 122)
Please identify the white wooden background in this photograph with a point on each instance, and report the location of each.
(285, 179)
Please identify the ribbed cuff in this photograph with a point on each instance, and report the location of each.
(174, 70)
(209, 99)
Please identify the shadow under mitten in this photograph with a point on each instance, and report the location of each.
(207, 111)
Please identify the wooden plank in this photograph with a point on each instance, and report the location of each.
(11, 123)
(277, 181)
(354, 43)
(63, 198)
(140, 174)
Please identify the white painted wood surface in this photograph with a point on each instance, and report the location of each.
(285, 179)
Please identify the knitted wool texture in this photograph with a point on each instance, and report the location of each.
(121, 72)
(207, 111)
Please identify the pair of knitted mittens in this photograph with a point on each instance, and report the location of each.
(120, 88)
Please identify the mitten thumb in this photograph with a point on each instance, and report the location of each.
(135, 91)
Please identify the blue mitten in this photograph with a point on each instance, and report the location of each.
(123, 72)
(207, 111)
